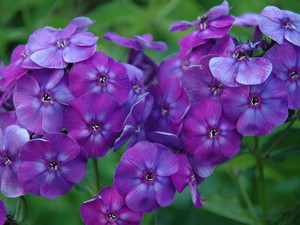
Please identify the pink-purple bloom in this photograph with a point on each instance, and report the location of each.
(52, 48)
(94, 120)
(11, 141)
(41, 99)
(100, 74)
(286, 66)
(109, 208)
(51, 166)
(209, 137)
(143, 176)
(2, 213)
(216, 23)
(280, 25)
(256, 109)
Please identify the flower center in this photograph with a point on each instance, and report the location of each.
(203, 26)
(149, 177)
(24, 54)
(213, 132)
(136, 88)
(102, 79)
(254, 101)
(46, 98)
(111, 216)
(289, 26)
(164, 111)
(293, 75)
(53, 165)
(239, 55)
(138, 129)
(95, 126)
(62, 43)
(216, 90)
(7, 160)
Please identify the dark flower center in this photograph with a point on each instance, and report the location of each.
(203, 25)
(213, 132)
(239, 55)
(254, 101)
(149, 177)
(95, 126)
(138, 129)
(111, 216)
(164, 111)
(24, 54)
(293, 75)
(288, 25)
(53, 165)
(216, 90)
(46, 98)
(136, 88)
(102, 79)
(62, 43)
(7, 160)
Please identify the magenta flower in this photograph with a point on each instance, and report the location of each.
(2, 213)
(54, 49)
(280, 25)
(207, 135)
(41, 99)
(256, 109)
(11, 141)
(143, 176)
(239, 68)
(286, 66)
(216, 23)
(100, 74)
(109, 208)
(51, 166)
(94, 120)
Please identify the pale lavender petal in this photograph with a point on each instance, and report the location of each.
(82, 23)
(49, 58)
(53, 118)
(83, 39)
(142, 199)
(15, 137)
(181, 25)
(40, 39)
(10, 185)
(246, 20)
(293, 36)
(73, 53)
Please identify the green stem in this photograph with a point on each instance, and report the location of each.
(89, 187)
(261, 180)
(277, 141)
(244, 194)
(96, 173)
(21, 209)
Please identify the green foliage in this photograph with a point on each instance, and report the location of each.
(232, 192)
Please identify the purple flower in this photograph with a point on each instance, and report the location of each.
(280, 25)
(171, 103)
(8, 118)
(51, 48)
(143, 176)
(256, 109)
(82, 23)
(246, 20)
(40, 100)
(11, 141)
(109, 208)
(100, 74)
(200, 83)
(134, 128)
(214, 24)
(286, 66)
(207, 135)
(94, 120)
(20, 62)
(2, 213)
(240, 69)
(51, 166)
(187, 177)
(137, 42)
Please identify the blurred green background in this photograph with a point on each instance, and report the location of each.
(232, 192)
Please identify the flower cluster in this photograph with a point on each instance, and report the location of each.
(62, 103)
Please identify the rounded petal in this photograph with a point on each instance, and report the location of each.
(74, 53)
(37, 150)
(166, 162)
(15, 137)
(111, 198)
(164, 191)
(10, 185)
(49, 58)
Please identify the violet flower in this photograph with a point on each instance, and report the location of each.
(143, 176)
(82, 23)
(100, 74)
(286, 66)
(51, 48)
(109, 208)
(200, 83)
(134, 128)
(94, 120)
(207, 135)
(11, 141)
(171, 103)
(256, 109)
(216, 23)
(51, 166)
(280, 25)
(246, 20)
(2, 213)
(41, 99)
(240, 69)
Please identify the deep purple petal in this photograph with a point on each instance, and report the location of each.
(92, 212)
(3, 213)
(53, 118)
(166, 162)
(129, 216)
(126, 42)
(37, 150)
(181, 25)
(112, 199)
(192, 40)
(10, 185)
(164, 191)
